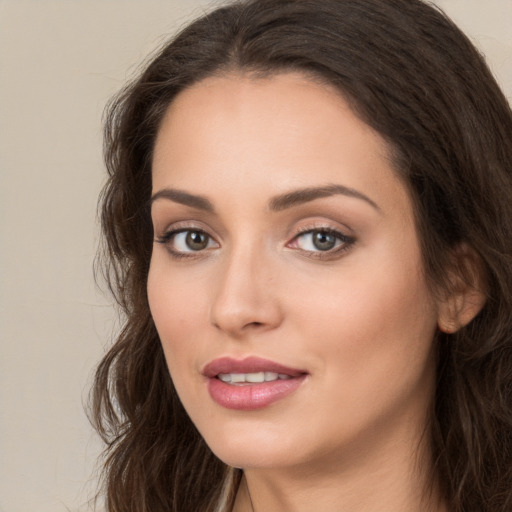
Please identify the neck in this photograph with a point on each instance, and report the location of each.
(395, 479)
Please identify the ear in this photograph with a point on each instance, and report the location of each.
(466, 294)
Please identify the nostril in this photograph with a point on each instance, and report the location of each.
(240, 313)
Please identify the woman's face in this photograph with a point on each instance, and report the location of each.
(286, 281)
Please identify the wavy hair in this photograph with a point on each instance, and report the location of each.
(412, 75)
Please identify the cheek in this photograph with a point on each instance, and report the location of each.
(371, 328)
(177, 308)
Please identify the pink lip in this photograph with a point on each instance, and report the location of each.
(247, 365)
(247, 397)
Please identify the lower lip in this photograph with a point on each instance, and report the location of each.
(249, 397)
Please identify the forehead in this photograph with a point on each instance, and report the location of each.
(283, 131)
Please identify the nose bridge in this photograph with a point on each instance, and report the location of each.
(245, 295)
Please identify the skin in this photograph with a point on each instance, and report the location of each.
(359, 318)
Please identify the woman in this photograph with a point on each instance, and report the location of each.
(308, 225)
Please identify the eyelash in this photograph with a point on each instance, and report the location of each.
(345, 242)
(167, 238)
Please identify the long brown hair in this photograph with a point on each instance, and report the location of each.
(408, 72)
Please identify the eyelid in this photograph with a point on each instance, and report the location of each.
(162, 228)
(336, 232)
(168, 234)
(347, 241)
(176, 225)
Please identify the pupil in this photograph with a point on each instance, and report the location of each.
(324, 241)
(197, 240)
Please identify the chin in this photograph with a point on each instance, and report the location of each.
(253, 446)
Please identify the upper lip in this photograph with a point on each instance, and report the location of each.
(225, 365)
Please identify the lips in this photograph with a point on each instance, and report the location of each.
(249, 365)
(251, 383)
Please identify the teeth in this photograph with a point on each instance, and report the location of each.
(254, 377)
(238, 378)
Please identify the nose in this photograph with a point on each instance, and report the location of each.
(246, 296)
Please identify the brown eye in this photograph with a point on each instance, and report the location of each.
(191, 240)
(196, 240)
(183, 241)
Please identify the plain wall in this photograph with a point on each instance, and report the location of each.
(60, 61)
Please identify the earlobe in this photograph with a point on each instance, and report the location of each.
(466, 295)
(459, 309)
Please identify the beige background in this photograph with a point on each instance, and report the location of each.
(60, 60)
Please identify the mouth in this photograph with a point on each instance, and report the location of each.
(251, 378)
(251, 383)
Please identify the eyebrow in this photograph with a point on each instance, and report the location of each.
(306, 195)
(182, 197)
(277, 203)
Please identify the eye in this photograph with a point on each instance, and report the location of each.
(321, 240)
(180, 241)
